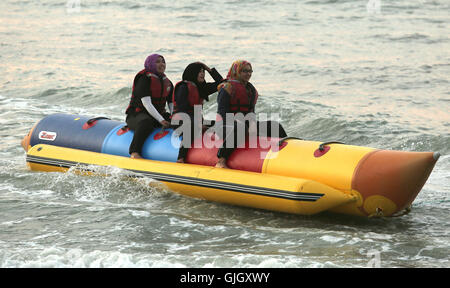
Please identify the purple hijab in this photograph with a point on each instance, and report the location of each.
(150, 63)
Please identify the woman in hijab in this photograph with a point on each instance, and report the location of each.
(238, 95)
(190, 92)
(147, 109)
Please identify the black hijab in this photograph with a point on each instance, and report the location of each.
(191, 74)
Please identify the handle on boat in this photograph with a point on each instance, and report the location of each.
(322, 146)
(92, 120)
(287, 138)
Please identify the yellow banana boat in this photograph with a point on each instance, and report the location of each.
(293, 176)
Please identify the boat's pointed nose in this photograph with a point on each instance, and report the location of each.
(26, 142)
(436, 155)
(389, 181)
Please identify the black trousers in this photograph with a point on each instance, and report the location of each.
(263, 129)
(184, 150)
(143, 125)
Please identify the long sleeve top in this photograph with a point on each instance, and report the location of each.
(142, 92)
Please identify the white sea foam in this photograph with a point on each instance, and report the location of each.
(332, 239)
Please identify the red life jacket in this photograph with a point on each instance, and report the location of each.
(241, 100)
(159, 90)
(193, 97)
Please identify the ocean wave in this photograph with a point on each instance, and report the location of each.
(60, 257)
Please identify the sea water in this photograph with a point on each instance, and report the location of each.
(371, 73)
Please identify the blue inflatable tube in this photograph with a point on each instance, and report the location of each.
(160, 145)
(104, 136)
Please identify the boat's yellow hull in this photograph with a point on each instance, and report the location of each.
(271, 192)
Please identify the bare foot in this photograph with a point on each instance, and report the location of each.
(181, 160)
(136, 155)
(222, 163)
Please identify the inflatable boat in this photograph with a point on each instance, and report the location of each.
(289, 175)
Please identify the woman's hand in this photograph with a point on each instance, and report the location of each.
(205, 66)
(165, 124)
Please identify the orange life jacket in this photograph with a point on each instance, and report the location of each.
(193, 97)
(159, 90)
(242, 100)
